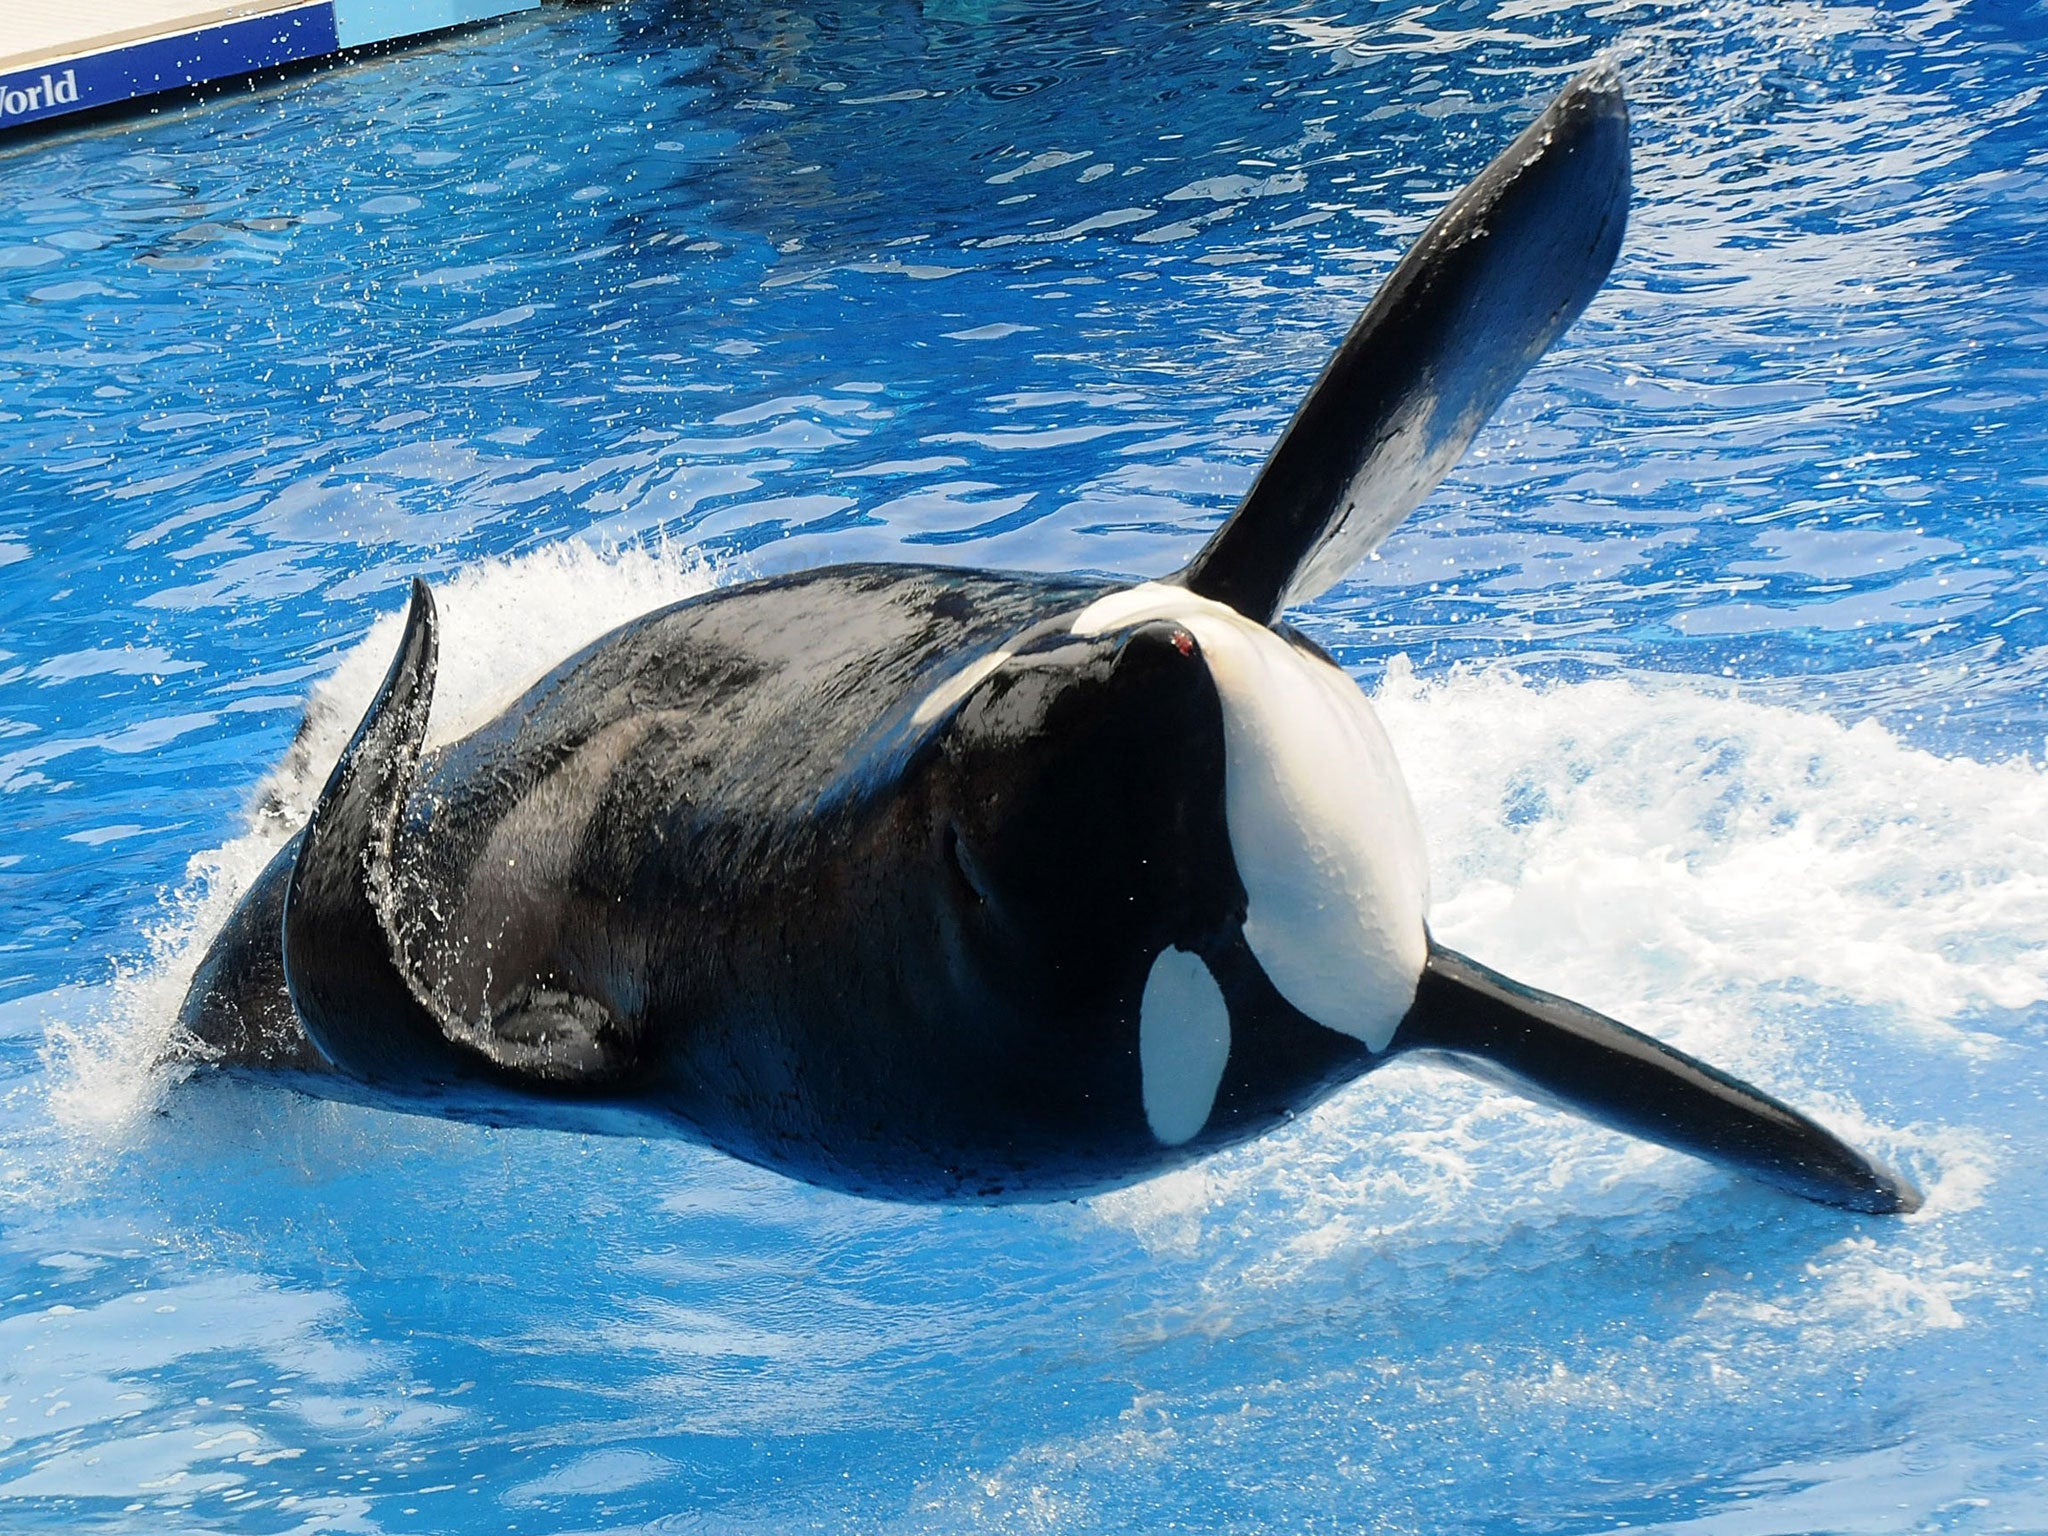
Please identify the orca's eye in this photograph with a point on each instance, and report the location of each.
(962, 860)
(1156, 637)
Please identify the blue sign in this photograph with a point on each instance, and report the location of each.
(166, 63)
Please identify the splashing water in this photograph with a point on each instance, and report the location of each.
(504, 625)
(1715, 672)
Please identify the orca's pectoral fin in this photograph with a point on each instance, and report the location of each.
(1561, 1052)
(339, 961)
(1485, 291)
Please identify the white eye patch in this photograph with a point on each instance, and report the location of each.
(1183, 1045)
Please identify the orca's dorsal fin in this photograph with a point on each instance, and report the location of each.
(342, 965)
(339, 963)
(1561, 1052)
(1485, 291)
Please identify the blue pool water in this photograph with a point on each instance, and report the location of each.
(1716, 669)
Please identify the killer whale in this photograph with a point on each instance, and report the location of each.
(932, 883)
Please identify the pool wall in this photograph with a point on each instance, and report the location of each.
(57, 60)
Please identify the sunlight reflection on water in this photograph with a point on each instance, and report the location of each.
(709, 291)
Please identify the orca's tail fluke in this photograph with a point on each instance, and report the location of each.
(1477, 299)
(1561, 1052)
(339, 962)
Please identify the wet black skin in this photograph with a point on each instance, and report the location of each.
(883, 957)
(713, 876)
(696, 881)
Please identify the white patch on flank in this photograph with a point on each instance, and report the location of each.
(1325, 837)
(957, 687)
(1183, 1043)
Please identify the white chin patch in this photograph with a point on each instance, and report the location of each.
(1324, 835)
(1183, 1045)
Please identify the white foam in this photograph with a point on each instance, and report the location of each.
(503, 625)
(1627, 840)
(1811, 904)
